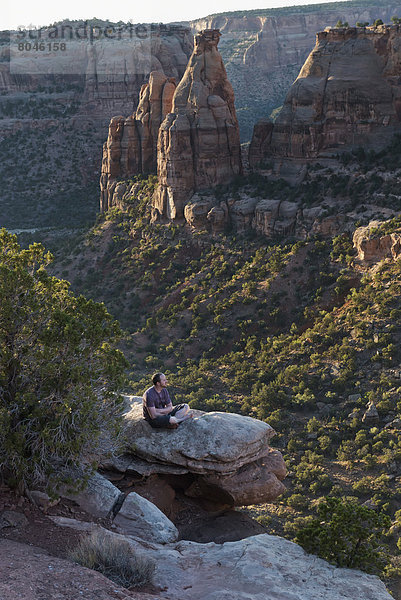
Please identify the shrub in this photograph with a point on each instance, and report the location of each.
(58, 372)
(346, 534)
(297, 501)
(114, 558)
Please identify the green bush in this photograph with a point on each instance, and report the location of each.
(58, 372)
(114, 558)
(346, 534)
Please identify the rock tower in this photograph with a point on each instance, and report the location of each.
(198, 145)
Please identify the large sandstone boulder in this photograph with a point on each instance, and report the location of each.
(347, 94)
(141, 518)
(373, 246)
(258, 482)
(228, 453)
(197, 209)
(99, 498)
(275, 217)
(198, 146)
(132, 514)
(242, 212)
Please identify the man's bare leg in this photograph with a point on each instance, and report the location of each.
(182, 419)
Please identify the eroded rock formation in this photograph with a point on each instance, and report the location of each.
(131, 144)
(227, 456)
(198, 145)
(373, 245)
(347, 94)
(269, 217)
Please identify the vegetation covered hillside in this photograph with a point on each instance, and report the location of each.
(295, 332)
(45, 182)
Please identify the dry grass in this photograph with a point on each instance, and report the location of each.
(114, 558)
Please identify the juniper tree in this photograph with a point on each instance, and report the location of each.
(58, 371)
(347, 535)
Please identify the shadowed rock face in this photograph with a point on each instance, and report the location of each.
(198, 145)
(347, 94)
(131, 144)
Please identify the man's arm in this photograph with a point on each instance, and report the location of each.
(156, 412)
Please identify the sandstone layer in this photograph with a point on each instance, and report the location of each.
(227, 454)
(198, 145)
(372, 246)
(269, 217)
(130, 148)
(347, 94)
(255, 568)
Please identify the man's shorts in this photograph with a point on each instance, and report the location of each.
(163, 421)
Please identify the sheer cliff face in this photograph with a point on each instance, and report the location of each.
(131, 144)
(118, 91)
(347, 94)
(198, 145)
(264, 50)
(280, 40)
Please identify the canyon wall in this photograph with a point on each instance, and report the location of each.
(348, 94)
(52, 126)
(263, 50)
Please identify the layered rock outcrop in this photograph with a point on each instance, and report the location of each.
(228, 456)
(198, 145)
(373, 245)
(347, 94)
(264, 49)
(269, 217)
(130, 148)
(259, 567)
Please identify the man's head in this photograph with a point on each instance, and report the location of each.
(159, 380)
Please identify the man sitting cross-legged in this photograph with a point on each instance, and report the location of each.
(158, 409)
